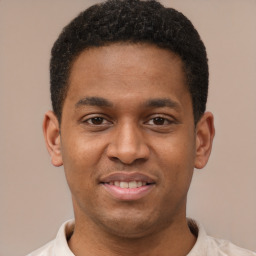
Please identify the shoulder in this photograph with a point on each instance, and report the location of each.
(210, 246)
(46, 250)
(226, 248)
(59, 246)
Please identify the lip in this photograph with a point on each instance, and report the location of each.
(127, 194)
(124, 176)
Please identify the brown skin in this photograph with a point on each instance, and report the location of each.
(129, 138)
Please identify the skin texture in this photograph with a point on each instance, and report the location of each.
(141, 122)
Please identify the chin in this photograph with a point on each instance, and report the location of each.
(129, 226)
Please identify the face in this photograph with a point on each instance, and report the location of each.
(128, 141)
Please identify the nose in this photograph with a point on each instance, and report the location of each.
(128, 144)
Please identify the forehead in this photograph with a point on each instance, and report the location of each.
(124, 68)
(127, 54)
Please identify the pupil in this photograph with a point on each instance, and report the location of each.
(97, 120)
(159, 121)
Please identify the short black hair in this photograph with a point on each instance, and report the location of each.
(132, 21)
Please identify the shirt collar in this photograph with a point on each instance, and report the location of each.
(200, 247)
(61, 242)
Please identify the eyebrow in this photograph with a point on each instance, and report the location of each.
(151, 103)
(94, 101)
(160, 103)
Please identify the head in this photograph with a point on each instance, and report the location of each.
(129, 81)
(131, 21)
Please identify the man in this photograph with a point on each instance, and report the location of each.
(129, 82)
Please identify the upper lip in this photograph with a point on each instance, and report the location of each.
(124, 176)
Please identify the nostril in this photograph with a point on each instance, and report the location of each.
(114, 158)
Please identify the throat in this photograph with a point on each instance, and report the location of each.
(162, 243)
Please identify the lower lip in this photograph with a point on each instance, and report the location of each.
(128, 194)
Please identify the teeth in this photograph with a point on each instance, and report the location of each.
(131, 184)
(139, 183)
(124, 184)
(117, 183)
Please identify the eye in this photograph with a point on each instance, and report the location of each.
(97, 121)
(159, 121)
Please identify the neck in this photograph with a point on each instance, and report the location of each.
(175, 240)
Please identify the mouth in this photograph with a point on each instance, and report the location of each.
(127, 186)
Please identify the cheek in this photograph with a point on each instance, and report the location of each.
(81, 151)
(176, 157)
(179, 150)
(80, 158)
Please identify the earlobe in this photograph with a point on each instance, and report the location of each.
(51, 131)
(205, 132)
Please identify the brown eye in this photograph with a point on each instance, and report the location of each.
(159, 121)
(96, 120)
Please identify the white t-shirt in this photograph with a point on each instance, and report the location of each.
(204, 246)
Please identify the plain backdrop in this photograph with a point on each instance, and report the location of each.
(34, 197)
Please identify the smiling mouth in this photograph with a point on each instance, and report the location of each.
(128, 184)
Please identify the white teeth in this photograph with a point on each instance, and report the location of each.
(124, 184)
(139, 183)
(130, 184)
(117, 183)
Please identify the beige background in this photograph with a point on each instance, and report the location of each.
(34, 198)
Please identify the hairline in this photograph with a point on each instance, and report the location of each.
(125, 43)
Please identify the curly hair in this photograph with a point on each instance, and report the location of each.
(132, 21)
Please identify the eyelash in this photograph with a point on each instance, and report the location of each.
(104, 121)
(163, 121)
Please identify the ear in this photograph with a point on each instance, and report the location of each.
(51, 131)
(205, 132)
